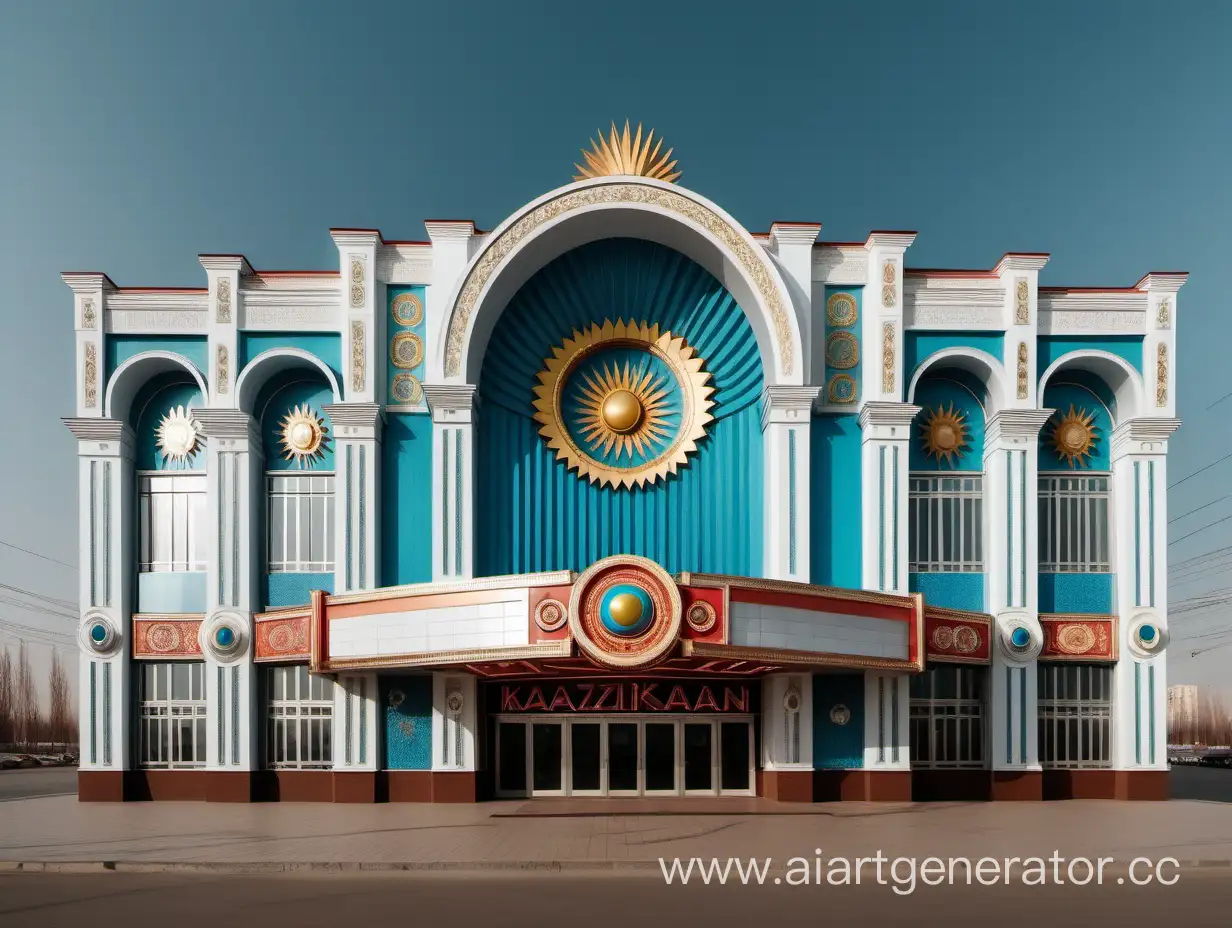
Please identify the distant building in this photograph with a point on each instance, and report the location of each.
(1182, 706)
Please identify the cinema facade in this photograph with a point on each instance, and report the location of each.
(623, 499)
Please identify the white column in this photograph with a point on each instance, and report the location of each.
(882, 327)
(787, 721)
(223, 274)
(792, 244)
(453, 479)
(234, 502)
(363, 326)
(1011, 572)
(786, 421)
(887, 723)
(356, 736)
(105, 544)
(453, 243)
(453, 722)
(1019, 274)
(89, 295)
(358, 428)
(1159, 346)
(884, 447)
(1140, 534)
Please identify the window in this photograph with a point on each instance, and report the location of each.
(172, 717)
(301, 522)
(1073, 524)
(172, 522)
(300, 721)
(947, 717)
(1075, 715)
(946, 523)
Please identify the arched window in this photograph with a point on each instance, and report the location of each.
(946, 528)
(299, 487)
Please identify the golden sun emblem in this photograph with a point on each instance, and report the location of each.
(1073, 437)
(303, 436)
(177, 434)
(945, 434)
(628, 407)
(619, 154)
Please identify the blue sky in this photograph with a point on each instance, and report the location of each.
(134, 136)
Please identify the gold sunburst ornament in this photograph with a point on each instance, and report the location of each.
(303, 436)
(177, 434)
(945, 434)
(623, 404)
(1073, 437)
(620, 154)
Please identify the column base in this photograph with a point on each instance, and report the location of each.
(1133, 785)
(431, 786)
(228, 785)
(1016, 785)
(166, 785)
(100, 785)
(354, 786)
(862, 785)
(785, 785)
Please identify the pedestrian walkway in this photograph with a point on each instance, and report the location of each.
(515, 834)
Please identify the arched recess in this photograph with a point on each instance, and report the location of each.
(534, 514)
(131, 377)
(979, 364)
(617, 207)
(274, 363)
(1122, 380)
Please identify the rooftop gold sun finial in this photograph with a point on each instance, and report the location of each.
(620, 154)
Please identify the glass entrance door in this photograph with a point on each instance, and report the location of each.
(586, 758)
(623, 759)
(735, 757)
(547, 759)
(659, 757)
(699, 757)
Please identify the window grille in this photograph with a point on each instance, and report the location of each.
(1073, 524)
(301, 522)
(172, 714)
(172, 522)
(299, 725)
(946, 523)
(1075, 715)
(947, 717)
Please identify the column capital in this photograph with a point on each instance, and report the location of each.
(787, 404)
(1143, 435)
(1014, 427)
(1020, 262)
(890, 241)
(1163, 281)
(356, 420)
(876, 417)
(356, 238)
(226, 264)
(451, 402)
(99, 437)
(794, 233)
(228, 425)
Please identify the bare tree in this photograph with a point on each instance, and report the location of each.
(60, 720)
(8, 732)
(27, 698)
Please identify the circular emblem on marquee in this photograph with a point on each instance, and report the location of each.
(1075, 639)
(701, 617)
(551, 615)
(840, 714)
(623, 404)
(625, 612)
(966, 639)
(162, 637)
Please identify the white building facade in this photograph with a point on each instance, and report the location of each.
(620, 498)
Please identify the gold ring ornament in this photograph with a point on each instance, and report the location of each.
(841, 310)
(551, 615)
(406, 350)
(625, 612)
(945, 435)
(701, 617)
(622, 404)
(1073, 437)
(842, 351)
(407, 309)
(303, 436)
(406, 389)
(177, 434)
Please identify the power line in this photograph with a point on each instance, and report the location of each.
(1196, 530)
(36, 554)
(1199, 509)
(50, 599)
(1199, 471)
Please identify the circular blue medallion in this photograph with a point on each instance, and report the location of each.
(225, 636)
(98, 633)
(1020, 637)
(626, 610)
(1147, 634)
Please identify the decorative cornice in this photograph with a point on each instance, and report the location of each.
(356, 238)
(783, 403)
(1021, 261)
(354, 415)
(1145, 433)
(877, 413)
(1163, 281)
(87, 281)
(226, 264)
(794, 233)
(1014, 426)
(449, 397)
(228, 424)
(900, 240)
(98, 429)
(442, 230)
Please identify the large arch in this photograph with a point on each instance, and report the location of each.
(1121, 377)
(613, 207)
(979, 364)
(128, 379)
(267, 364)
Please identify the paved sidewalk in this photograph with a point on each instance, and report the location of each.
(500, 834)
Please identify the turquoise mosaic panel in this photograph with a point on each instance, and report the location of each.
(842, 348)
(950, 590)
(835, 502)
(294, 588)
(406, 475)
(408, 346)
(1081, 593)
(407, 706)
(838, 721)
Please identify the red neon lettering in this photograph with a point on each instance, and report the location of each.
(509, 698)
(561, 700)
(734, 703)
(534, 700)
(649, 700)
(677, 699)
(705, 700)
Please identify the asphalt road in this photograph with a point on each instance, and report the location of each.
(612, 901)
(27, 782)
(1212, 784)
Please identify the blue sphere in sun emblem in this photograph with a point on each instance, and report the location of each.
(626, 610)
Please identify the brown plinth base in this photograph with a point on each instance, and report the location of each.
(430, 786)
(100, 785)
(355, 786)
(1146, 785)
(1017, 785)
(165, 785)
(862, 785)
(229, 785)
(951, 785)
(785, 785)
